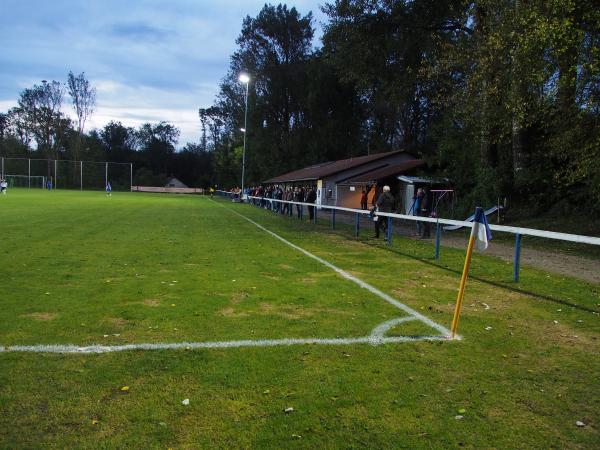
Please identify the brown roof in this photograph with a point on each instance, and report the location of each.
(388, 171)
(326, 169)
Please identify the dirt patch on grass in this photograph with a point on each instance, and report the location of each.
(116, 321)
(270, 276)
(152, 302)
(285, 311)
(230, 312)
(308, 280)
(295, 312)
(42, 316)
(286, 267)
(238, 297)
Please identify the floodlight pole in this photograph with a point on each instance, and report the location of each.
(244, 79)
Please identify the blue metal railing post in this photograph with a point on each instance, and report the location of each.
(389, 231)
(333, 219)
(517, 257)
(357, 225)
(438, 238)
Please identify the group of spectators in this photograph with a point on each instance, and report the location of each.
(384, 201)
(300, 194)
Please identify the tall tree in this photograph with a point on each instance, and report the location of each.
(83, 96)
(385, 48)
(40, 108)
(274, 48)
(157, 142)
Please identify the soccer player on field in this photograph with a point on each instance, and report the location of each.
(108, 189)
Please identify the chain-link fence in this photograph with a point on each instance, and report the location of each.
(64, 174)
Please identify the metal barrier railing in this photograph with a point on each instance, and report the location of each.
(519, 232)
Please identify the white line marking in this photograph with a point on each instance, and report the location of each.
(379, 331)
(363, 284)
(377, 337)
(372, 340)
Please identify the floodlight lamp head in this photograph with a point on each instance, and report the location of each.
(244, 78)
(243, 130)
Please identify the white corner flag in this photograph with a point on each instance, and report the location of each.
(481, 230)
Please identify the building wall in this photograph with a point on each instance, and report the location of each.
(340, 195)
(348, 198)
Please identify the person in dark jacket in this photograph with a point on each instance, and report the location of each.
(311, 197)
(384, 203)
(425, 209)
(298, 197)
(363, 200)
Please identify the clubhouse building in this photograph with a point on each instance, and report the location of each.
(340, 183)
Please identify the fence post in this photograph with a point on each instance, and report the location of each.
(389, 231)
(55, 184)
(29, 172)
(105, 174)
(301, 212)
(357, 225)
(3, 167)
(81, 175)
(517, 257)
(130, 176)
(333, 219)
(314, 214)
(438, 238)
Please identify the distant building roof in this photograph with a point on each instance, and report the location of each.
(174, 182)
(319, 171)
(384, 172)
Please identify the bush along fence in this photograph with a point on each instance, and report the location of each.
(276, 205)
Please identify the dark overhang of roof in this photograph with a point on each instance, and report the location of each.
(385, 172)
(327, 169)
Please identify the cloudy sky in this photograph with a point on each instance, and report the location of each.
(150, 60)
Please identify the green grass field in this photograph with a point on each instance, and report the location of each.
(84, 269)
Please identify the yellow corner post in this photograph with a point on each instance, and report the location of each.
(463, 282)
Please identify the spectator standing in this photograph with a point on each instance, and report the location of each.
(385, 203)
(416, 209)
(425, 209)
(289, 196)
(298, 197)
(311, 197)
(363, 199)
